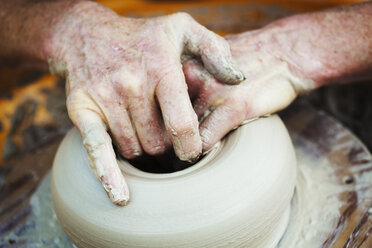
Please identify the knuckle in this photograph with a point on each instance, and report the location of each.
(206, 136)
(79, 99)
(133, 89)
(181, 20)
(75, 96)
(181, 127)
(81, 106)
(183, 16)
(103, 94)
(167, 72)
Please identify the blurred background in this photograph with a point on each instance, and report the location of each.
(32, 103)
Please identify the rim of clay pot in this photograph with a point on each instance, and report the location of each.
(128, 169)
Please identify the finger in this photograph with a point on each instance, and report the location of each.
(195, 76)
(179, 117)
(222, 120)
(98, 145)
(123, 132)
(256, 99)
(215, 54)
(148, 123)
(207, 91)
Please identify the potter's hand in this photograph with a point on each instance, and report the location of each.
(271, 84)
(287, 57)
(118, 71)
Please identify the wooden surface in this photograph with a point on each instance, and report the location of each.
(33, 119)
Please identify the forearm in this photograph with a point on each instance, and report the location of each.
(322, 47)
(330, 46)
(30, 30)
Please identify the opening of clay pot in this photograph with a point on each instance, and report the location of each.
(161, 164)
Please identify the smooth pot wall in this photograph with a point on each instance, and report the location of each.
(236, 196)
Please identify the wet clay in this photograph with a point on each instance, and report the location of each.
(236, 196)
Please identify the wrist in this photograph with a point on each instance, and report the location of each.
(292, 43)
(66, 30)
(269, 50)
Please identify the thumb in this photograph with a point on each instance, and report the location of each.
(214, 52)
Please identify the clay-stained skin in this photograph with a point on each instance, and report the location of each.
(125, 76)
(270, 86)
(286, 58)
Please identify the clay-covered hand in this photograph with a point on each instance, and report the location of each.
(272, 82)
(119, 71)
(281, 60)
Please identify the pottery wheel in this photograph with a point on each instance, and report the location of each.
(319, 142)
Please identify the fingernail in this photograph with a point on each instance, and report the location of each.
(119, 196)
(188, 157)
(231, 75)
(136, 153)
(238, 75)
(241, 77)
(204, 134)
(122, 202)
(194, 160)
